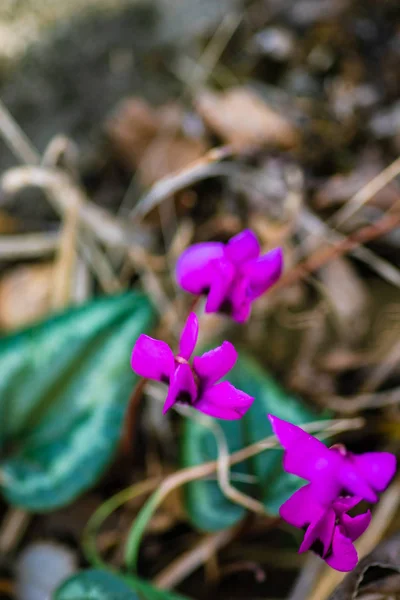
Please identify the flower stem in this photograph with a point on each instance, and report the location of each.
(105, 510)
(200, 471)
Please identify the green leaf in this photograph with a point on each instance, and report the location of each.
(64, 388)
(207, 507)
(102, 585)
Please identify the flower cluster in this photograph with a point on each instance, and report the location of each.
(338, 481)
(232, 276)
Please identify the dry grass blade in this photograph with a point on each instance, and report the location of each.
(367, 193)
(99, 263)
(15, 138)
(63, 191)
(167, 186)
(15, 522)
(318, 231)
(153, 287)
(353, 404)
(29, 245)
(223, 462)
(212, 53)
(65, 262)
(339, 248)
(191, 560)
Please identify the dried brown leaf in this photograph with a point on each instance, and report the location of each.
(153, 141)
(25, 295)
(241, 118)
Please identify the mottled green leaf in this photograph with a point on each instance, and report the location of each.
(101, 585)
(207, 507)
(64, 388)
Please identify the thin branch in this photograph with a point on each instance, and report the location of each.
(354, 404)
(367, 193)
(321, 257)
(191, 560)
(30, 245)
(62, 191)
(18, 142)
(205, 167)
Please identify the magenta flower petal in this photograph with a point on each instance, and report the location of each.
(182, 388)
(220, 282)
(152, 359)
(216, 363)
(319, 534)
(264, 272)
(377, 468)
(301, 508)
(344, 555)
(241, 303)
(189, 336)
(193, 271)
(243, 247)
(305, 456)
(224, 401)
(354, 483)
(355, 526)
(241, 313)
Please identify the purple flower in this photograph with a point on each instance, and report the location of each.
(192, 384)
(332, 470)
(232, 275)
(329, 531)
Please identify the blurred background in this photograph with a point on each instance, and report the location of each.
(130, 129)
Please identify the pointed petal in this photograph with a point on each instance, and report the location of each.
(377, 468)
(355, 526)
(263, 272)
(216, 363)
(305, 456)
(344, 556)
(224, 401)
(319, 534)
(243, 247)
(189, 336)
(242, 313)
(182, 388)
(194, 270)
(352, 481)
(302, 508)
(219, 285)
(152, 359)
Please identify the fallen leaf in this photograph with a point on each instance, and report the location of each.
(25, 295)
(153, 142)
(131, 129)
(241, 118)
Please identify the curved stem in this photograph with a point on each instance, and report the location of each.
(105, 510)
(198, 472)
